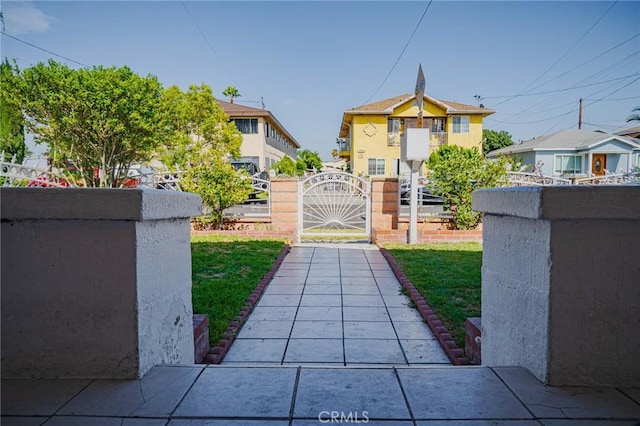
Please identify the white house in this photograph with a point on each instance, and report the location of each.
(265, 140)
(577, 152)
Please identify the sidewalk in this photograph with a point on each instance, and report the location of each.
(337, 304)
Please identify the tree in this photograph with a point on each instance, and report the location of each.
(232, 92)
(310, 158)
(492, 140)
(11, 120)
(201, 131)
(286, 166)
(456, 173)
(100, 120)
(634, 116)
(335, 154)
(220, 186)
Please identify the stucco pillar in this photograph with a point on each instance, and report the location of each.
(560, 282)
(384, 203)
(284, 206)
(96, 283)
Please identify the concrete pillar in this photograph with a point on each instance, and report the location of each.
(284, 206)
(561, 282)
(96, 283)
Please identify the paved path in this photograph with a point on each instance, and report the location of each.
(335, 304)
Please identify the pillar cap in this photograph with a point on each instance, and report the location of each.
(97, 204)
(561, 202)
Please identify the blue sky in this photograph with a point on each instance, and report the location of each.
(312, 60)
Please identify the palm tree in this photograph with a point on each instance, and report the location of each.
(232, 92)
(635, 116)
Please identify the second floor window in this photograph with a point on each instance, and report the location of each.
(394, 126)
(461, 124)
(247, 125)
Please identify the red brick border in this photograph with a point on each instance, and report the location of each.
(217, 353)
(455, 354)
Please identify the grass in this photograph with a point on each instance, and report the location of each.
(225, 271)
(447, 275)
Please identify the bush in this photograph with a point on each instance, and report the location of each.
(456, 172)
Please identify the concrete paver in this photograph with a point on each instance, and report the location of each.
(279, 395)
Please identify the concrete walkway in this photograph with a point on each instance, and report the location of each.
(337, 307)
(336, 304)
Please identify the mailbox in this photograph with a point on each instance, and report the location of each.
(414, 145)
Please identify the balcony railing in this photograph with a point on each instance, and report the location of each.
(436, 139)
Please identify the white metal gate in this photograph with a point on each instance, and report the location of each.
(334, 204)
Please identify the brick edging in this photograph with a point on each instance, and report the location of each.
(217, 353)
(455, 354)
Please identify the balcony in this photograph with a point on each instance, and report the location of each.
(344, 147)
(436, 139)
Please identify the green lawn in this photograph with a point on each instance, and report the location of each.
(225, 271)
(447, 275)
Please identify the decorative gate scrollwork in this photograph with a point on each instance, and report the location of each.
(334, 204)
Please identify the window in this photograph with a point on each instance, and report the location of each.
(461, 124)
(376, 166)
(568, 164)
(393, 126)
(247, 125)
(437, 125)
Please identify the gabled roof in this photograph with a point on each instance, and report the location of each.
(633, 132)
(566, 140)
(386, 107)
(243, 111)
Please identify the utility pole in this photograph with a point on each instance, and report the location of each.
(580, 116)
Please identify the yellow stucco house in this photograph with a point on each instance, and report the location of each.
(369, 137)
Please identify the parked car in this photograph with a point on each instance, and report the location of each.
(425, 197)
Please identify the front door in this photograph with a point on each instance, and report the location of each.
(598, 164)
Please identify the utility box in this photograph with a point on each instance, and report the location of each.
(414, 145)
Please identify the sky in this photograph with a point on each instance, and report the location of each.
(309, 61)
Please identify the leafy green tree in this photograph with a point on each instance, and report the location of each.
(635, 116)
(286, 166)
(101, 120)
(456, 172)
(201, 130)
(301, 167)
(311, 159)
(231, 92)
(11, 119)
(492, 140)
(220, 186)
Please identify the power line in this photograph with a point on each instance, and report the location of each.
(615, 91)
(45, 50)
(590, 60)
(568, 88)
(608, 69)
(563, 56)
(208, 43)
(401, 53)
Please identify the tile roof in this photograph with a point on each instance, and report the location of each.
(386, 104)
(383, 104)
(235, 110)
